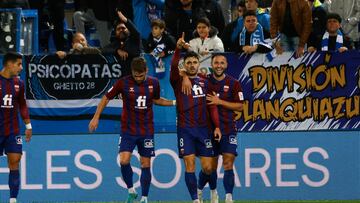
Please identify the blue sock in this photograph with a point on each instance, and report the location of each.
(14, 183)
(229, 181)
(127, 174)
(145, 181)
(190, 180)
(213, 180)
(203, 179)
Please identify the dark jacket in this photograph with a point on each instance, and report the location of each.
(300, 13)
(229, 46)
(178, 21)
(214, 14)
(168, 41)
(132, 45)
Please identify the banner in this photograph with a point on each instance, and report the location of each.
(85, 168)
(315, 92)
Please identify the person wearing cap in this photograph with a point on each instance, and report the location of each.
(333, 39)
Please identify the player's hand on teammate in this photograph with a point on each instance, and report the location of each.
(217, 134)
(93, 125)
(213, 99)
(28, 135)
(181, 42)
(123, 54)
(186, 85)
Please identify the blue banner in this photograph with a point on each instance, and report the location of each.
(270, 166)
(315, 92)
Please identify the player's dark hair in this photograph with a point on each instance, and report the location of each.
(191, 54)
(138, 64)
(11, 56)
(217, 54)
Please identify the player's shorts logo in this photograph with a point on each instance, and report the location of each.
(149, 143)
(232, 139)
(18, 139)
(208, 143)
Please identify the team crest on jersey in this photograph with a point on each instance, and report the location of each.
(182, 151)
(208, 143)
(131, 89)
(148, 143)
(202, 84)
(18, 139)
(226, 88)
(232, 139)
(151, 88)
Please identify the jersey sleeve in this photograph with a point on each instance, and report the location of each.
(156, 89)
(115, 90)
(237, 92)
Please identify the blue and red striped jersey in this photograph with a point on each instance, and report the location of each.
(192, 110)
(229, 90)
(13, 101)
(137, 113)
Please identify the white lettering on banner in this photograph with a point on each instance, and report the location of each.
(177, 175)
(23, 170)
(252, 155)
(51, 169)
(66, 71)
(313, 165)
(90, 169)
(4, 170)
(74, 86)
(261, 170)
(280, 167)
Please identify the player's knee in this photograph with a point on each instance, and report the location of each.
(228, 165)
(13, 164)
(124, 162)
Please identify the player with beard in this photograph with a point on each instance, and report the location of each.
(192, 111)
(127, 43)
(228, 96)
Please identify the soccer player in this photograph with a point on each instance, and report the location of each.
(12, 102)
(192, 130)
(228, 96)
(138, 92)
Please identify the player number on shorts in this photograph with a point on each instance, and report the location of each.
(181, 142)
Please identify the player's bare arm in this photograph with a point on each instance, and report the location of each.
(95, 120)
(164, 102)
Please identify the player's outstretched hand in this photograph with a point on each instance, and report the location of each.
(93, 125)
(217, 134)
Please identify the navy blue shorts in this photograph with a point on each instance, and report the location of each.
(145, 144)
(227, 144)
(194, 141)
(10, 144)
